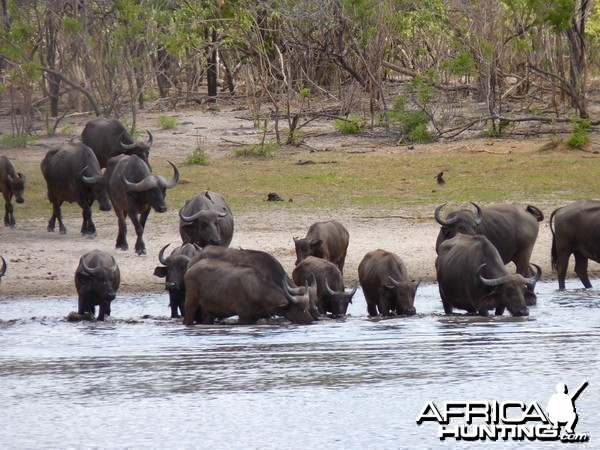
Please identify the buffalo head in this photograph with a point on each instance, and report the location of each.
(139, 148)
(202, 227)
(462, 221)
(338, 301)
(509, 292)
(308, 247)
(400, 295)
(298, 308)
(152, 189)
(17, 186)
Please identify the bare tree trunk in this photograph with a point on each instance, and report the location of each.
(578, 60)
(211, 71)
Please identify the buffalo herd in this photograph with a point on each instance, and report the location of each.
(208, 281)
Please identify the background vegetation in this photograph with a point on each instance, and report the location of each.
(519, 60)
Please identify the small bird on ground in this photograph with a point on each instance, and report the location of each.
(440, 176)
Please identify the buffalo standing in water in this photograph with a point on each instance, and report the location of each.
(97, 280)
(472, 276)
(327, 240)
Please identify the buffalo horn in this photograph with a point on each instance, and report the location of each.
(161, 255)
(396, 282)
(3, 270)
(127, 146)
(290, 289)
(291, 299)
(443, 222)
(189, 218)
(224, 213)
(353, 290)
(145, 185)
(175, 178)
(89, 270)
(90, 180)
(479, 216)
(538, 274)
(491, 281)
(329, 291)
(150, 140)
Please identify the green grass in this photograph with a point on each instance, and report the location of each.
(371, 181)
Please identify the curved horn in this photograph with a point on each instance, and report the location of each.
(145, 185)
(490, 281)
(328, 289)
(127, 146)
(291, 299)
(224, 213)
(175, 178)
(161, 255)
(95, 270)
(90, 180)
(3, 270)
(113, 268)
(479, 215)
(197, 247)
(291, 290)
(443, 222)
(189, 218)
(11, 178)
(396, 282)
(150, 140)
(534, 279)
(353, 290)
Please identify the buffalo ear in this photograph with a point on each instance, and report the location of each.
(316, 243)
(160, 271)
(83, 277)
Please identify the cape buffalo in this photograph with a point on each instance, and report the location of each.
(330, 284)
(11, 183)
(471, 276)
(3, 269)
(266, 264)
(512, 229)
(172, 270)
(97, 280)
(327, 240)
(384, 279)
(576, 231)
(133, 191)
(217, 289)
(206, 219)
(73, 174)
(108, 138)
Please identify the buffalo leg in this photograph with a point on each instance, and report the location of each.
(9, 219)
(581, 269)
(122, 236)
(139, 224)
(56, 215)
(87, 226)
(372, 309)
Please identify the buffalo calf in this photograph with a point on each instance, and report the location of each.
(12, 184)
(97, 280)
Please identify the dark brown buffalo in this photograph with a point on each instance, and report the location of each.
(12, 184)
(384, 280)
(73, 174)
(472, 276)
(133, 192)
(576, 231)
(3, 268)
(512, 229)
(206, 219)
(108, 138)
(217, 289)
(265, 263)
(172, 270)
(97, 280)
(331, 295)
(328, 240)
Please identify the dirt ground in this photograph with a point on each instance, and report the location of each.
(43, 264)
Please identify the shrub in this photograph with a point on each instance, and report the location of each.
(17, 140)
(351, 125)
(198, 157)
(167, 122)
(262, 150)
(580, 135)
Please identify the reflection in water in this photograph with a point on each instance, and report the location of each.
(142, 379)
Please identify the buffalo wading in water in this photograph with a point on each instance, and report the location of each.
(206, 219)
(217, 289)
(108, 138)
(384, 279)
(576, 231)
(327, 240)
(331, 294)
(73, 174)
(97, 280)
(133, 192)
(172, 270)
(472, 276)
(512, 229)
(12, 183)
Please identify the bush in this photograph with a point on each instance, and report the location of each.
(167, 122)
(262, 150)
(351, 125)
(580, 135)
(413, 123)
(198, 157)
(17, 140)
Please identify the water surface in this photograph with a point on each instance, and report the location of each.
(142, 379)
